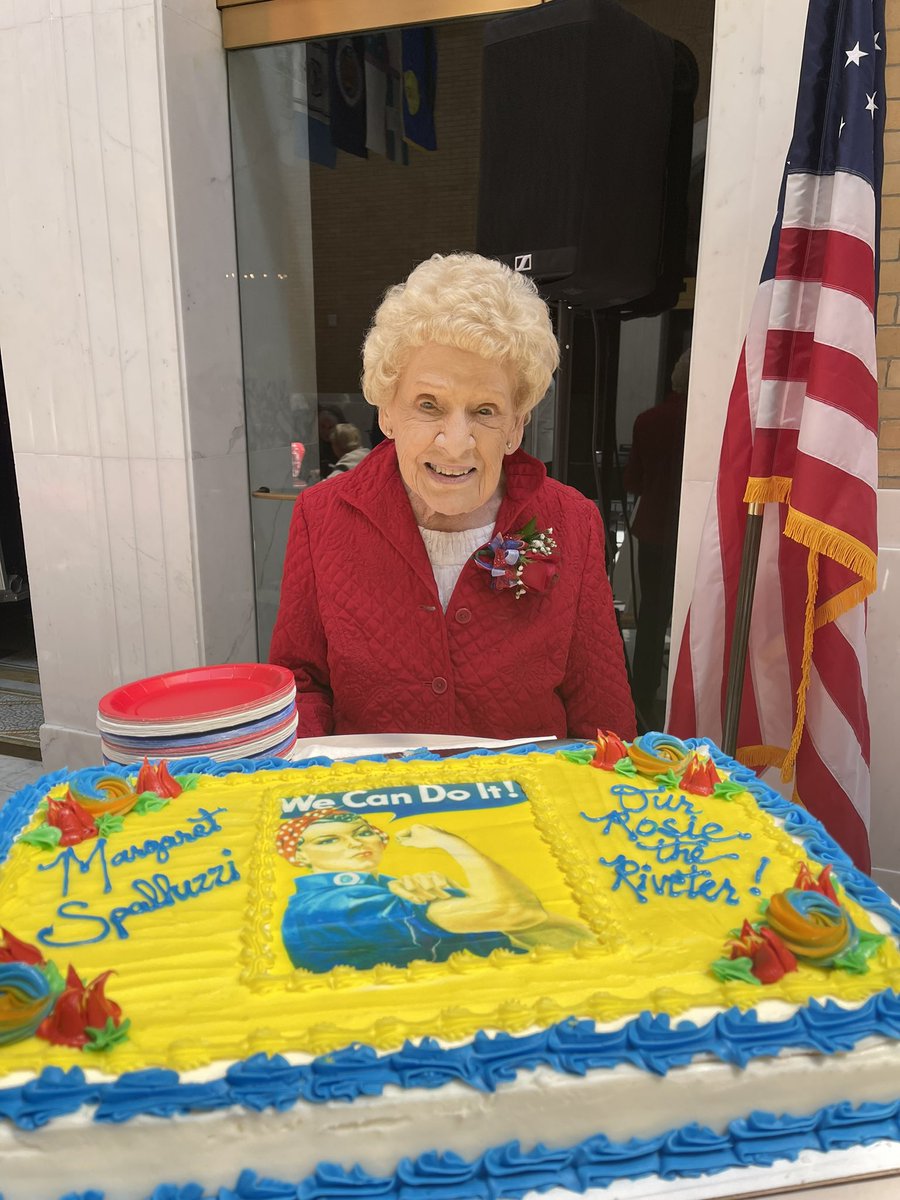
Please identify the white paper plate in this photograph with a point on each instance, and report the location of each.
(254, 749)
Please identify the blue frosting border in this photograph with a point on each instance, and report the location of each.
(572, 1047)
(507, 1172)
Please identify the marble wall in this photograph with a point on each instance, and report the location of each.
(754, 83)
(120, 344)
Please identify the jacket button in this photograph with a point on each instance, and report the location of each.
(439, 685)
(463, 615)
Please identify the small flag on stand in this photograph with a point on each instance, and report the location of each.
(801, 438)
(377, 67)
(347, 94)
(395, 147)
(314, 135)
(419, 87)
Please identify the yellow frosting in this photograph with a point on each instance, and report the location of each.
(208, 979)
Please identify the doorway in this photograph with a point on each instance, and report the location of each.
(21, 712)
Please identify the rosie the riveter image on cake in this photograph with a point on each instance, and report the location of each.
(373, 888)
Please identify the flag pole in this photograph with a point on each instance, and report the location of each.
(740, 634)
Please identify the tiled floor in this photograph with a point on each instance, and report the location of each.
(15, 773)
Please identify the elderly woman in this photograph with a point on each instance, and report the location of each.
(446, 585)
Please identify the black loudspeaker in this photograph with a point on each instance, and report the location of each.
(587, 114)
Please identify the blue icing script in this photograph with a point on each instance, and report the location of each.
(666, 829)
(155, 892)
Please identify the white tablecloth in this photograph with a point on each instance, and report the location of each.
(394, 743)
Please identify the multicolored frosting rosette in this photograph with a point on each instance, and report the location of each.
(104, 794)
(26, 998)
(813, 927)
(658, 753)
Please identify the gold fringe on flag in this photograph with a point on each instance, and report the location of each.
(776, 489)
(842, 602)
(809, 626)
(833, 543)
(821, 540)
(760, 756)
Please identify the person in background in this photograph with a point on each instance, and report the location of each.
(653, 473)
(346, 441)
(330, 416)
(446, 585)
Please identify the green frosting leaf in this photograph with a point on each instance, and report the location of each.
(856, 961)
(869, 942)
(107, 1038)
(727, 789)
(582, 757)
(45, 837)
(187, 783)
(853, 962)
(669, 780)
(54, 978)
(763, 907)
(149, 802)
(727, 970)
(108, 823)
(626, 767)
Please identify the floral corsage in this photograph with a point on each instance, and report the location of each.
(522, 561)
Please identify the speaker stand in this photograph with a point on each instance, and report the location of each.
(565, 331)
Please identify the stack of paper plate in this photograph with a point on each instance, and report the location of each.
(243, 710)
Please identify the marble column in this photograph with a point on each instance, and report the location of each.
(121, 348)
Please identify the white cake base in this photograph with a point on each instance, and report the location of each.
(861, 1173)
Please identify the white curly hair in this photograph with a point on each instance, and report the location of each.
(470, 303)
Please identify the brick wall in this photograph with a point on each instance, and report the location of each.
(372, 220)
(889, 284)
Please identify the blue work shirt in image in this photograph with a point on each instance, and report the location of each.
(346, 918)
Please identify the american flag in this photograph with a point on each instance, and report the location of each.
(801, 436)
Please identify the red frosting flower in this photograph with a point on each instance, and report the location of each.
(12, 950)
(610, 749)
(822, 885)
(769, 956)
(700, 776)
(78, 1009)
(155, 777)
(70, 818)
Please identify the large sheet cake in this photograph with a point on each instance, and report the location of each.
(471, 977)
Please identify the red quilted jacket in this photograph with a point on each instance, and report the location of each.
(361, 626)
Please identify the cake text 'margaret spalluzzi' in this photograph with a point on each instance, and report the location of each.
(153, 893)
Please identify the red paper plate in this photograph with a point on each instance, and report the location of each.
(199, 692)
